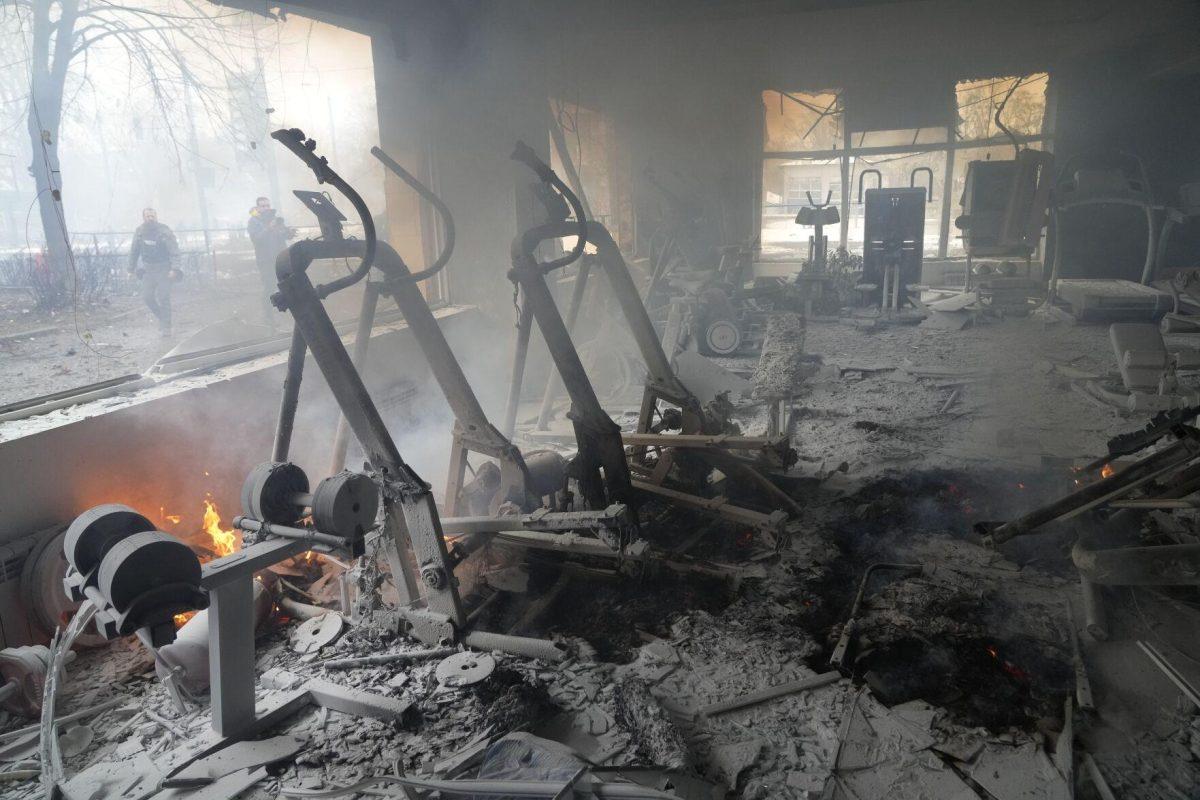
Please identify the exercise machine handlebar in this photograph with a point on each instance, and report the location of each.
(424, 191)
(535, 236)
(305, 149)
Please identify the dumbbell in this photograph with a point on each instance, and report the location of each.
(137, 577)
(343, 505)
(22, 678)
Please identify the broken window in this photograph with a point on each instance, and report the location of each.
(601, 165)
(806, 149)
(801, 121)
(1024, 111)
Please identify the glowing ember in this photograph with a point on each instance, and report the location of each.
(1107, 471)
(224, 541)
(182, 618)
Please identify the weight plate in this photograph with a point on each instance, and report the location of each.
(96, 530)
(42, 590)
(465, 669)
(26, 667)
(722, 337)
(345, 504)
(143, 562)
(315, 633)
(268, 490)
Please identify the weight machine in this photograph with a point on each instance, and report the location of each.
(602, 466)
(138, 578)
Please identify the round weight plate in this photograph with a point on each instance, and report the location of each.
(25, 666)
(547, 471)
(268, 490)
(96, 530)
(464, 669)
(42, 590)
(315, 633)
(143, 562)
(722, 337)
(345, 504)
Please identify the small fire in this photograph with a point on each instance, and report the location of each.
(1107, 471)
(180, 619)
(224, 541)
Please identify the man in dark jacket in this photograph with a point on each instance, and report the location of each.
(270, 237)
(154, 244)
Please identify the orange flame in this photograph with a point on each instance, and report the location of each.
(1107, 471)
(224, 541)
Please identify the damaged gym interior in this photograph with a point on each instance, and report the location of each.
(600, 399)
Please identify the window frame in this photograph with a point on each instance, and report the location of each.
(846, 154)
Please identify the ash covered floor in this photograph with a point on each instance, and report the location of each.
(966, 666)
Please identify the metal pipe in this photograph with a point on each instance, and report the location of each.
(1096, 493)
(771, 692)
(520, 352)
(518, 645)
(388, 658)
(1159, 565)
(286, 532)
(842, 649)
(1168, 669)
(554, 381)
(1094, 613)
(291, 397)
(362, 340)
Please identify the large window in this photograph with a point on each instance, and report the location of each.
(806, 148)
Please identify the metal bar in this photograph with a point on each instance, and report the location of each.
(519, 645)
(1093, 771)
(387, 658)
(440, 357)
(1099, 492)
(1172, 674)
(598, 437)
(718, 506)
(247, 561)
(771, 692)
(362, 340)
(554, 381)
(1156, 565)
(284, 531)
(841, 650)
(897, 149)
(231, 655)
(290, 399)
(1094, 613)
(520, 352)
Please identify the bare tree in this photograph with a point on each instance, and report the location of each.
(59, 37)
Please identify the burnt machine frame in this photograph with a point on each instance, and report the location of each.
(600, 440)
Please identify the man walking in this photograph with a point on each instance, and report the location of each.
(269, 235)
(154, 243)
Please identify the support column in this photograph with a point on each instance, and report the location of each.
(231, 655)
(947, 193)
